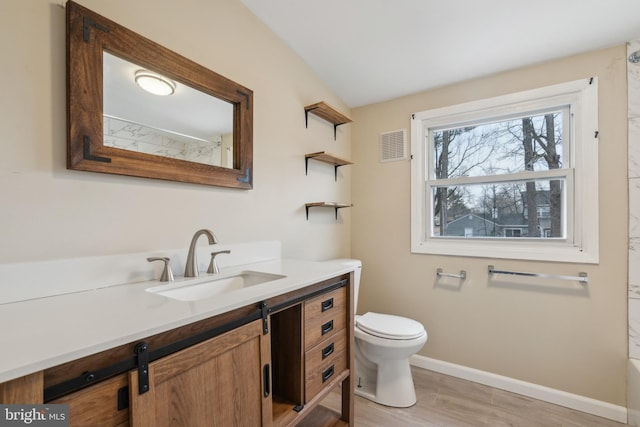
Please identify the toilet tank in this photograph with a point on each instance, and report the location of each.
(357, 271)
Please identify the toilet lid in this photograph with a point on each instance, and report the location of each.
(389, 326)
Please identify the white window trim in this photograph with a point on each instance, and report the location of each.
(582, 244)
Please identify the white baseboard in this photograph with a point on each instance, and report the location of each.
(558, 397)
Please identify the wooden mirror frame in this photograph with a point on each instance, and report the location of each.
(88, 35)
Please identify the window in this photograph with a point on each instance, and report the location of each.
(509, 177)
(513, 232)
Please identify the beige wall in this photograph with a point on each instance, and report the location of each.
(48, 212)
(571, 340)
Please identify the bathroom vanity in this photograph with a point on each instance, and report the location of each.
(265, 355)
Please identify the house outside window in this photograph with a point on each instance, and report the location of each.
(509, 177)
(513, 232)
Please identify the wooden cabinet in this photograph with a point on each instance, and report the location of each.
(220, 382)
(259, 365)
(103, 404)
(23, 389)
(325, 322)
(312, 344)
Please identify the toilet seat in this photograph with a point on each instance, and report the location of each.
(389, 326)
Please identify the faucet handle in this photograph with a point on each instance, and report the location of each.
(213, 264)
(167, 274)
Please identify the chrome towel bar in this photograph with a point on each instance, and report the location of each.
(581, 277)
(461, 276)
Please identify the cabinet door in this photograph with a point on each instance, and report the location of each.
(219, 382)
(97, 405)
(27, 389)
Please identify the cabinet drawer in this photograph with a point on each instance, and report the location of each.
(323, 353)
(322, 371)
(324, 315)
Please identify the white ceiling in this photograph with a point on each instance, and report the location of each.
(374, 50)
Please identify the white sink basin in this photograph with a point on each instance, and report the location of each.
(211, 286)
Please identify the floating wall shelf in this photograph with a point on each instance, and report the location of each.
(321, 156)
(333, 205)
(328, 113)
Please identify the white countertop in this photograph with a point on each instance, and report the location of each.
(45, 332)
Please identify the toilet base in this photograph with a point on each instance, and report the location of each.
(389, 384)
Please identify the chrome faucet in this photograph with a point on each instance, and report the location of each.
(191, 269)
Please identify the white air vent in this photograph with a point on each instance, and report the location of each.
(393, 145)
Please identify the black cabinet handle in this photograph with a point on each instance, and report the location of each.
(326, 305)
(327, 373)
(327, 327)
(326, 352)
(267, 381)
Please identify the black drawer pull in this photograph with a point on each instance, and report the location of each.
(327, 327)
(267, 381)
(326, 305)
(326, 352)
(327, 373)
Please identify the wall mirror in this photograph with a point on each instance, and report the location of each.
(198, 128)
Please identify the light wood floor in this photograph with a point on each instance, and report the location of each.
(445, 401)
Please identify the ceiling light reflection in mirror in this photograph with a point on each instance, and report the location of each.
(184, 124)
(155, 83)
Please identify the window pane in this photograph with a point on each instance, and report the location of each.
(532, 143)
(533, 209)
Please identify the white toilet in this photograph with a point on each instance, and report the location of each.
(383, 345)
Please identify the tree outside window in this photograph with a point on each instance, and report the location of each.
(504, 147)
